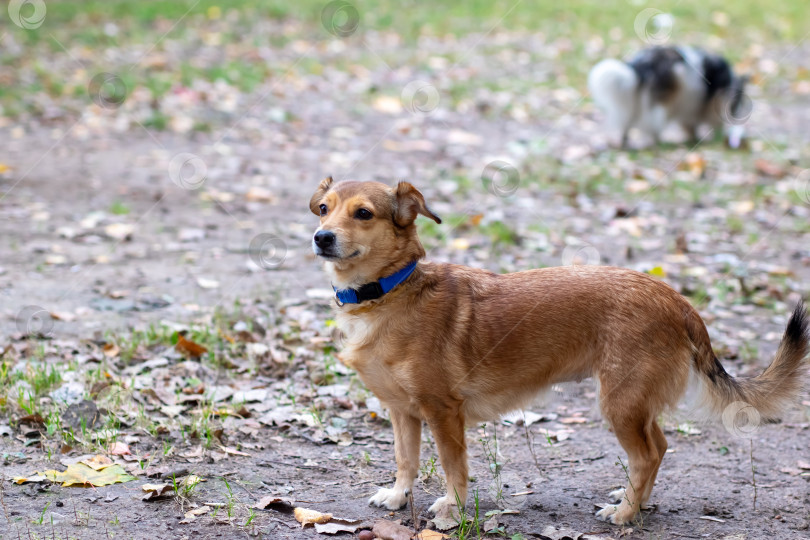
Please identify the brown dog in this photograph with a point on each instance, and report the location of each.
(451, 345)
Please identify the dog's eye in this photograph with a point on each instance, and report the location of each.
(364, 214)
(324, 209)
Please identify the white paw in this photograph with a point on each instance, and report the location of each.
(607, 513)
(443, 506)
(393, 499)
(617, 496)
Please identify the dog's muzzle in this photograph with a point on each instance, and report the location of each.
(323, 244)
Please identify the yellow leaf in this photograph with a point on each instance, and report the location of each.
(85, 476)
(33, 478)
(427, 534)
(214, 13)
(657, 271)
(305, 516)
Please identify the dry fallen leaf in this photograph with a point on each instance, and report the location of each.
(153, 491)
(119, 231)
(111, 350)
(305, 516)
(695, 163)
(189, 348)
(97, 462)
(388, 530)
(119, 449)
(553, 533)
(444, 522)
(338, 525)
(388, 104)
(191, 515)
(206, 283)
(260, 194)
(428, 534)
(233, 451)
(270, 501)
(769, 169)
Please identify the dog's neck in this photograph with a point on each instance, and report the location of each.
(374, 289)
(353, 277)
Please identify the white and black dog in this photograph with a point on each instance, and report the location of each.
(661, 85)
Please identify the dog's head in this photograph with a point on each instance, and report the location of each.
(367, 229)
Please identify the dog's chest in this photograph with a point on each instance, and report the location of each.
(358, 331)
(363, 350)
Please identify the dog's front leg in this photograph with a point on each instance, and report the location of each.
(407, 440)
(447, 427)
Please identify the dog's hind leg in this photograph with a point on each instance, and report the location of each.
(642, 439)
(407, 440)
(660, 443)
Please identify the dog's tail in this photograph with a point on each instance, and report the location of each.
(612, 84)
(771, 392)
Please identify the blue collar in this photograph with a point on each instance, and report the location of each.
(375, 289)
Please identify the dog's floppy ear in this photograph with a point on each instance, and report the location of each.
(323, 188)
(409, 203)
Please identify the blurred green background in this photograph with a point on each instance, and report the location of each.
(117, 36)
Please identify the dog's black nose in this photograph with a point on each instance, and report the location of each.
(324, 239)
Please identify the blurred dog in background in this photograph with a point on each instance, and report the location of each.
(661, 85)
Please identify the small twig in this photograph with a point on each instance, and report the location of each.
(753, 473)
(3, 496)
(414, 514)
(530, 441)
(367, 482)
(322, 469)
(636, 494)
(283, 522)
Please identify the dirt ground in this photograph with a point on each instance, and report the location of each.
(102, 235)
